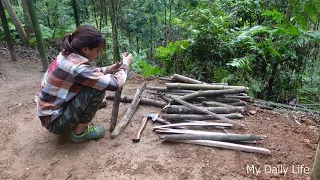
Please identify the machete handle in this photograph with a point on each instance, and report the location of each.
(137, 136)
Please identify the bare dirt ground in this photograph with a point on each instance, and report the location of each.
(28, 151)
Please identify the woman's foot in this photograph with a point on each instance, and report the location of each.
(91, 132)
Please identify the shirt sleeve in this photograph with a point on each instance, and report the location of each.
(95, 78)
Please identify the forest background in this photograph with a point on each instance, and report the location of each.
(270, 46)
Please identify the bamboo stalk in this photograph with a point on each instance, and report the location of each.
(143, 101)
(227, 145)
(164, 89)
(213, 93)
(215, 104)
(181, 78)
(213, 137)
(201, 86)
(179, 117)
(130, 112)
(237, 125)
(178, 109)
(185, 131)
(193, 124)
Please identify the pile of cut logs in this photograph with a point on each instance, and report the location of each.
(200, 113)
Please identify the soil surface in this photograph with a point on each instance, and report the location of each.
(29, 151)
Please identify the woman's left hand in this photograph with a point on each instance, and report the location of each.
(113, 68)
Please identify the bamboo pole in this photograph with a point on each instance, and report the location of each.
(130, 112)
(236, 125)
(179, 117)
(164, 89)
(213, 93)
(178, 109)
(227, 145)
(193, 124)
(213, 137)
(143, 101)
(185, 79)
(200, 86)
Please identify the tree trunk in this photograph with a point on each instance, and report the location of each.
(7, 33)
(116, 54)
(101, 5)
(165, 23)
(22, 34)
(95, 13)
(76, 12)
(27, 20)
(213, 93)
(37, 31)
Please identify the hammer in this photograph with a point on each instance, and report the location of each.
(154, 118)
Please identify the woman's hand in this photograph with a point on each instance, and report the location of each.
(113, 68)
(127, 59)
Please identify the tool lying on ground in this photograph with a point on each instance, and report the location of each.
(154, 118)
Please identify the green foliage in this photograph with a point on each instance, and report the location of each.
(142, 66)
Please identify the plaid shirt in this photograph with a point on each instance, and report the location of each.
(65, 78)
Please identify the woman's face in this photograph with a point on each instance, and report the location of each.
(91, 54)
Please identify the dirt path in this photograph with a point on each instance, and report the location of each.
(28, 151)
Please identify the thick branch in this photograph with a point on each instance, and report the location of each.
(130, 112)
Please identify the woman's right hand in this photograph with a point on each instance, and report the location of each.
(127, 59)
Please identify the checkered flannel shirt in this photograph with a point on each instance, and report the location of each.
(64, 79)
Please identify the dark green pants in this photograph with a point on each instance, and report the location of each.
(80, 109)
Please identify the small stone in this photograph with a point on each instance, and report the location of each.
(27, 169)
(20, 104)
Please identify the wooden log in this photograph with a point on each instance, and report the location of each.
(115, 109)
(180, 117)
(201, 86)
(185, 79)
(236, 125)
(143, 101)
(213, 137)
(227, 145)
(193, 124)
(130, 112)
(212, 93)
(178, 109)
(164, 89)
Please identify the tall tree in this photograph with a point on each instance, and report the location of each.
(16, 22)
(116, 53)
(76, 12)
(27, 19)
(7, 33)
(37, 31)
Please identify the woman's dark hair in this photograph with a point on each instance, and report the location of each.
(84, 36)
